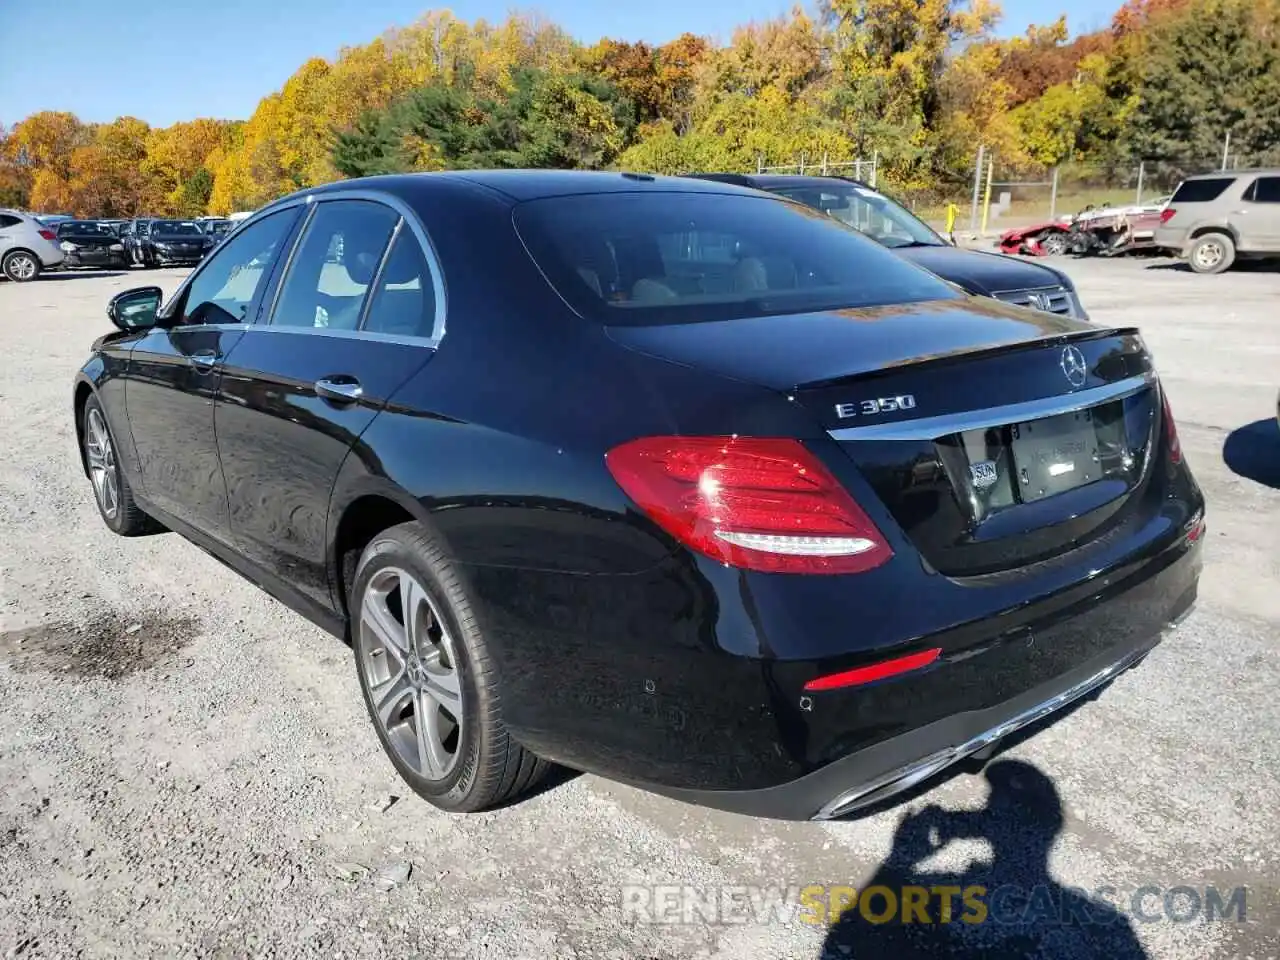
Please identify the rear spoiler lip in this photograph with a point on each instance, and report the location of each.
(967, 354)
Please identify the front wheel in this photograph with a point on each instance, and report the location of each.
(1212, 253)
(427, 679)
(111, 488)
(20, 266)
(1054, 244)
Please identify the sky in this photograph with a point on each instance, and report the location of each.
(169, 60)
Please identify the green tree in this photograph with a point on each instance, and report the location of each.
(1206, 70)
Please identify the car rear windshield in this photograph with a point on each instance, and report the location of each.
(657, 258)
(1201, 191)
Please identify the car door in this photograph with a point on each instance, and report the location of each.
(1257, 222)
(356, 313)
(174, 370)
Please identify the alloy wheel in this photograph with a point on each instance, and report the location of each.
(1054, 245)
(22, 266)
(101, 458)
(409, 663)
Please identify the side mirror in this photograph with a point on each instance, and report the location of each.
(135, 309)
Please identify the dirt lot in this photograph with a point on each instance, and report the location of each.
(186, 768)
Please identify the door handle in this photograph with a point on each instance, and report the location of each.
(339, 389)
(204, 359)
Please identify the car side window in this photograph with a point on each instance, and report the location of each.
(8, 221)
(1265, 190)
(230, 281)
(404, 303)
(334, 265)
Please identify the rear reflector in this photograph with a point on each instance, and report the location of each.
(749, 502)
(1170, 429)
(875, 671)
(1167, 214)
(48, 235)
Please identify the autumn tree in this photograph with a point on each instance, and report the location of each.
(1207, 70)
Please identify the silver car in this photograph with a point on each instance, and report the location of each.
(27, 246)
(1214, 219)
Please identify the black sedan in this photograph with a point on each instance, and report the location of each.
(160, 243)
(659, 478)
(892, 225)
(90, 243)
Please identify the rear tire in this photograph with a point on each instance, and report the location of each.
(1211, 253)
(427, 678)
(111, 489)
(20, 266)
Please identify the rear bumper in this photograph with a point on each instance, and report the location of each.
(1174, 240)
(1135, 619)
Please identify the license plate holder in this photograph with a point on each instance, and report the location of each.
(1054, 455)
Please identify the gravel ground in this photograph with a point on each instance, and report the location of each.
(186, 768)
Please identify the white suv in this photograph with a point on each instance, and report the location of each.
(27, 246)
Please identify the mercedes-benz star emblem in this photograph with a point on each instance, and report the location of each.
(1073, 366)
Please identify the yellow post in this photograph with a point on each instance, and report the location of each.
(986, 196)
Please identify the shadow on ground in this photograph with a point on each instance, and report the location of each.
(1253, 452)
(82, 274)
(1240, 266)
(1023, 911)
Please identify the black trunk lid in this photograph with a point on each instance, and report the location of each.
(996, 437)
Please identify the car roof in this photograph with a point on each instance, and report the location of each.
(1252, 171)
(775, 181)
(521, 185)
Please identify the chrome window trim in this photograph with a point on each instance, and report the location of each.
(438, 328)
(405, 339)
(930, 428)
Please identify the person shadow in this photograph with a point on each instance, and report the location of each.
(1007, 908)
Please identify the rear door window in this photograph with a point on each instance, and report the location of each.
(666, 257)
(1201, 191)
(335, 262)
(404, 303)
(1264, 190)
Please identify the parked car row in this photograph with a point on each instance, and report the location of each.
(670, 479)
(31, 244)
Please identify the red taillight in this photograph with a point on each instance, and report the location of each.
(48, 235)
(1171, 430)
(759, 504)
(874, 671)
(1167, 214)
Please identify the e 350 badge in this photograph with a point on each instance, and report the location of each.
(867, 408)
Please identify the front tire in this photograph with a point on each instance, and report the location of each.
(1212, 253)
(20, 266)
(111, 489)
(427, 678)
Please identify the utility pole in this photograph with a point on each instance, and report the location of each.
(986, 200)
(1053, 196)
(1142, 170)
(1226, 149)
(977, 189)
